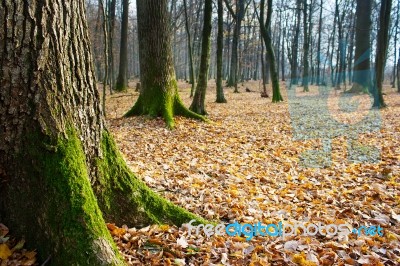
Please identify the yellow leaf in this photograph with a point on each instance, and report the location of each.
(5, 252)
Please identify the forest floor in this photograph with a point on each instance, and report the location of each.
(250, 164)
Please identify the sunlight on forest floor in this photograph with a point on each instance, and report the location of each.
(244, 166)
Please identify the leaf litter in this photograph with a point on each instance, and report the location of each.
(244, 166)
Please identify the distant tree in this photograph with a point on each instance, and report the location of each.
(265, 32)
(220, 47)
(159, 94)
(381, 51)
(238, 16)
(190, 50)
(362, 66)
(198, 103)
(122, 80)
(295, 46)
(306, 47)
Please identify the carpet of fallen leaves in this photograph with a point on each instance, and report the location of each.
(244, 166)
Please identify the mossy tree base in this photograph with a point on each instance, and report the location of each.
(69, 212)
(164, 105)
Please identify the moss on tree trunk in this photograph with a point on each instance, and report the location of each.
(61, 175)
(159, 95)
(198, 103)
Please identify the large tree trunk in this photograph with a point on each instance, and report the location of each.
(159, 94)
(362, 72)
(198, 103)
(60, 172)
(220, 44)
(381, 52)
(122, 80)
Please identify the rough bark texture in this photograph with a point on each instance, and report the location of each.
(159, 95)
(60, 171)
(381, 51)
(361, 75)
(122, 80)
(198, 103)
(220, 44)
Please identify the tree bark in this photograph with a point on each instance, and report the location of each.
(362, 75)
(198, 103)
(111, 27)
(381, 52)
(61, 175)
(238, 16)
(265, 32)
(122, 80)
(306, 46)
(295, 46)
(190, 51)
(220, 44)
(159, 95)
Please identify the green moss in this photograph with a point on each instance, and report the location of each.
(71, 217)
(126, 199)
(159, 101)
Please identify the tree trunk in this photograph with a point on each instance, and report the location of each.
(61, 174)
(319, 55)
(381, 52)
(220, 44)
(190, 51)
(396, 25)
(238, 16)
(265, 32)
(306, 46)
(264, 93)
(111, 27)
(159, 95)
(122, 80)
(398, 73)
(198, 103)
(295, 46)
(362, 75)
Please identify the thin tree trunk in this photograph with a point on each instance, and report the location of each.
(111, 20)
(105, 33)
(190, 51)
(122, 80)
(306, 44)
(362, 68)
(319, 55)
(198, 103)
(295, 46)
(264, 93)
(381, 51)
(265, 31)
(220, 44)
(396, 25)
